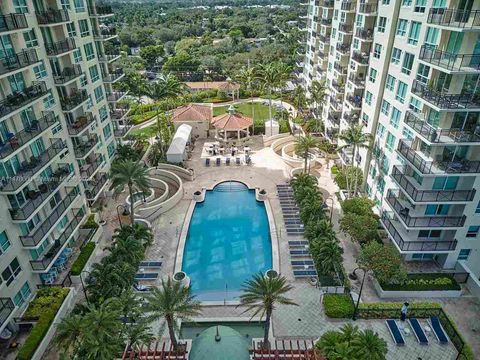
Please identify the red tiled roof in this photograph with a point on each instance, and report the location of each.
(219, 85)
(232, 121)
(192, 112)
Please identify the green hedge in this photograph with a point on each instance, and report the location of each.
(45, 306)
(82, 259)
(90, 223)
(338, 305)
(425, 282)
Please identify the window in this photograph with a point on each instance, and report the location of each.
(407, 63)
(20, 6)
(79, 5)
(111, 149)
(401, 92)
(89, 102)
(368, 98)
(89, 52)
(431, 36)
(415, 105)
(83, 80)
(477, 210)
(406, 2)
(396, 55)
(390, 83)
(4, 243)
(382, 23)
(65, 4)
(390, 142)
(99, 94)
(395, 118)
(407, 134)
(11, 271)
(385, 108)
(57, 128)
(473, 231)
(365, 119)
(385, 2)
(107, 131)
(84, 29)
(402, 27)
(71, 29)
(377, 51)
(30, 38)
(372, 75)
(49, 101)
(463, 254)
(22, 295)
(356, 44)
(414, 33)
(40, 71)
(422, 73)
(420, 6)
(77, 56)
(380, 131)
(94, 75)
(103, 112)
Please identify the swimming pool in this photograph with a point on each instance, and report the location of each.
(228, 241)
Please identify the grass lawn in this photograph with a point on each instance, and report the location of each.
(149, 131)
(261, 111)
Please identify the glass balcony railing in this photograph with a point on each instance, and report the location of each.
(22, 137)
(327, 3)
(18, 61)
(96, 185)
(359, 58)
(364, 33)
(68, 74)
(80, 124)
(355, 101)
(53, 16)
(22, 98)
(122, 130)
(347, 28)
(358, 81)
(92, 165)
(116, 96)
(38, 234)
(119, 113)
(429, 196)
(114, 76)
(368, 9)
(74, 100)
(111, 56)
(11, 22)
(450, 61)
(105, 35)
(60, 47)
(348, 5)
(463, 19)
(446, 101)
(6, 309)
(84, 147)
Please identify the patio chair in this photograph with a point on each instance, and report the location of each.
(218, 161)
(418, 331)
(395, 332)
(141, 287)
(227, 161)
(207, 162)
(146, 276)
(150, 264)
(437, 328)
(304, 273)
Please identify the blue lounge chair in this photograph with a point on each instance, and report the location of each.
(301, 262)
(438, 330)
(207, 162)
(395, 332)
(418, 331)
(298, 242)
(304, 273)
(219, 162)
(146, 276)
(299, 253)
(150, 264)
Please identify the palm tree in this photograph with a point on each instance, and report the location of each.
(167, 86)
(318, 96)
(328, 342)
(261, 294)
(128, 249)
(284, 73)
(368, 345)
(303, 145)
(140, 232)
(68, 334)
(133, 175)
(269, 77)
(109, 279)
(172, 301)
(247, 76)
(330, 254)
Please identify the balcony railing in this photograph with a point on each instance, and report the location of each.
(347, 5)
(345, 28)
(114, 76)
(92, 165)
(68, 74)
(327, 3)
(97, 185)
(427, 245)
(336, 105)
(53, 16)
(80, 124)
(431, 134)
(429, 195)
(449, 166)
(463, 19)
(450, 61)
(341, 69)
(28, 169)
(343, 48)
(355, 101)
(363, 33)
(47, 225)
(119, 113)
(100, 10)
(105, 35)
(17, 140)
(324, 38)
(51, 253)
(116, 96)
(446, 101)
(74, 100)
(326, 21)
(22, 98)
(83, 148)
(10, 22)
(121, 131)
(47, 188)
(60, 47)
(358, 57)
(358, 81)
(334, 120)
(433, 221)
(18, 61)
(367, 9)
(6, 309)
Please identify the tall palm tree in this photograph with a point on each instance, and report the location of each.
(247, 76)
(172, 301)
(128, 249)
(368, 345)
(68, 333)
(131, 174)
(303, 145)
(261, 294)
(167, 86)
(269, 78)
(330, 254)
(140, 232)
(284, 74)
(318, 95)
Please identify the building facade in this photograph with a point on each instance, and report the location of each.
(408, 72)
(58, 122)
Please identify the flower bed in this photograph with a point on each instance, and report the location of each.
(79, 264)
(425, 282)
(338, 305)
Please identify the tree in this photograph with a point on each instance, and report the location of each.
(139, 232)
(247, 77)
(150, 54)
(126, 152)
(318, 96)
(68, 334)
(261, 294)
(167, 86)
(131, 174)
(181, 62)
(328, 255)
(347, 176)
(303, 145)
(359, 206)
(361, 228)
(368, 345)
(172, 301)
(269, 77)
(385, 262)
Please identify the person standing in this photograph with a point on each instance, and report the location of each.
(403, 311)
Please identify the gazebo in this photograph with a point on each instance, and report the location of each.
(232, 125)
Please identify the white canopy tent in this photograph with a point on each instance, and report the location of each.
(177, 151)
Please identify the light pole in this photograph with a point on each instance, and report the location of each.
(355, 310)
(125, 212)
(83, 285)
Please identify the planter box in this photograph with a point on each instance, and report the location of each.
(88, 265)
(388, 294)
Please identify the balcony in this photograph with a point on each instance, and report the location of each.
(460, 19)
(434, 221)
(446, 101)
(358, 81)
(433, 135)
(368, 9)
(416, 245)
(37, 198)
(444, 166)
(116, 96)
(327, 3)
(122, 130)
(80, 124)
(114, 76)
(334, 120)
(100, 11)
(105, 35)
(343, 48)
(73, 101)
(61, 47)
(12, 22)
(364, 34)
(18, 140)
(360, 58)
(119, 113)
(97, 185)
(449, 61)
(340, 88)
(350, 118)
(53, 17)
(18, 61)
(355, 101)
(93, 163)
(19, 99)
(345, 28)
(336, 106)
(339, 68)
(111, 57)
(429, 196)
(84, 147)
(28, 169)
(45, 228)
(6, 309)
(324, 39)
(348, 5)
(68, 74)
(326, 22)
(52, 253)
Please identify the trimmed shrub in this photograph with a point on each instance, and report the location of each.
(338, 306)
(90, 223)
(424, 282)
(82, 258)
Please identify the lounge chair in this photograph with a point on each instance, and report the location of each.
(141, 287)
(298, 242)
(437, 328)
(146, 276)
(227, 161)
(418, 331)
(150, 264)
(237, 160)
(304, 273)
(218, 162)
(395, 332)
(301, 262)
(301, 253)
(207, 162)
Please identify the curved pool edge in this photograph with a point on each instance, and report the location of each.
(186, 225)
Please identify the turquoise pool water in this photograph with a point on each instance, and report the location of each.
(228, 241)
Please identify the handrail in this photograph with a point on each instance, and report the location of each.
(9, 22)
(17, 61)
(464, 19)
(22, 98)
(449, 61)
(446, 101)
(60, 47)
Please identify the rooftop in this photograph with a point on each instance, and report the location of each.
(192, 112)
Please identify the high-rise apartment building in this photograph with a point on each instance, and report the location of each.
(58, 122)
(408, 71)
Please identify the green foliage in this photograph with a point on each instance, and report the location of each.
(362, 206)
(361, 228)
(150, 54)
(424, 282)
(338, 306)
(82, 258)
(347, 176)
(126, 152)
(90, 223)
(334, 170)
(385, 262)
